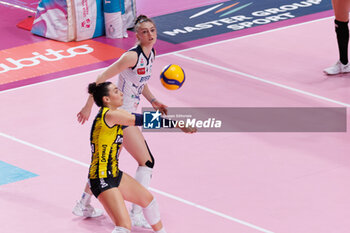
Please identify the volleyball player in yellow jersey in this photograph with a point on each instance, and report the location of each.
(109, 184)
(341, 11)
(134, 68)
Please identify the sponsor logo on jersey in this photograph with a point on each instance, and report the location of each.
(141, 71)
(102, 182)
(231, 16)
(119, 140)
(92, 148)
(49, 56)
(103, 158)
(144, 79)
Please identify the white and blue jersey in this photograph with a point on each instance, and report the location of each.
(132, 80)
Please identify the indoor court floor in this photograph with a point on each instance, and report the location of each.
(229, 182)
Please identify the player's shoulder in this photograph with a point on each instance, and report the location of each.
(130, 57)
(136, 49)
(134, 52)
(118, 112)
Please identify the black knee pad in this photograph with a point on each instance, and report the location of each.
(341, 26)
(149, 164)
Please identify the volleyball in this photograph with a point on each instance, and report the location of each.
(172, 77)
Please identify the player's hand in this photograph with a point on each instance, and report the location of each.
(188, 129)
(84, 115)
(160, 106)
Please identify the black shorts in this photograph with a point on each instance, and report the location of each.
(99, 185)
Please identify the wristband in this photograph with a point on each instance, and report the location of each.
(138, 119)
(152, 100)
(167, 122)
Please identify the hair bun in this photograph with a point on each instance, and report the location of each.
(92, 88)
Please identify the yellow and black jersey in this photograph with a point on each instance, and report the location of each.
(105, 147)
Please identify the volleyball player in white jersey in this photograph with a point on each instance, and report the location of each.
(132, 81)
(134, 68)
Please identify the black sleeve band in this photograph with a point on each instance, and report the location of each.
(138, 119)
(167, 123)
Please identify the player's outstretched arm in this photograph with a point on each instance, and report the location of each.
(120, 117)
(85, 112)
(127, 60)
(156, 104)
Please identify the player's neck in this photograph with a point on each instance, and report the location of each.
(147, 49)
(112, 107)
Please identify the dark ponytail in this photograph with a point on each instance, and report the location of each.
(98, 91)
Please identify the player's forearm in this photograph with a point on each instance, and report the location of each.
(148, 94)
(89, 102)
